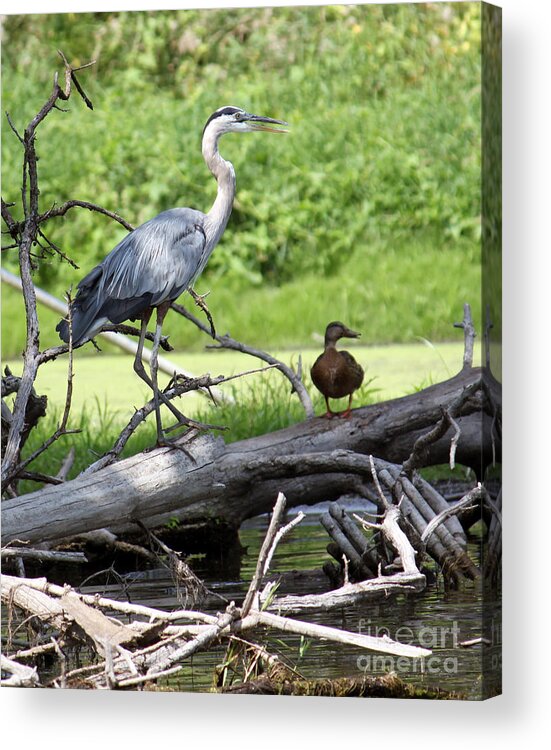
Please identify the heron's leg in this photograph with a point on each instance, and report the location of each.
(139, 368)
(154, 366)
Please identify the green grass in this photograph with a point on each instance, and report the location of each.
(109, 380)
(106, 392)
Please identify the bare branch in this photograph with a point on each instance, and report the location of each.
(181, 386)
(283, 531)
(12, 126)
(454, 440)
(62, 427)
(263, 556)
(471, 497)
(56, 351)
(42, 555)
(226, 342)
(26, 233)
(470, 334)
(423, 443)
(57, 249)
(62, 210)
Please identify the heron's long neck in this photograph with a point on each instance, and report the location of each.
(223, 171)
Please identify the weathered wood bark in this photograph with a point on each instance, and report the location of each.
(230, 483)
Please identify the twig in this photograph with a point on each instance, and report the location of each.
(36, 476)
(58, 250)
(475, 494)
(199, 300)
(256, 581)
(12, 126)
(278, 537)
(62, 210)
(377, 484)
(454, 440)
(475, 642)
(470, 334)
(345, 564)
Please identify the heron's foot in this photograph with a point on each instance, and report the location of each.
(192, 424)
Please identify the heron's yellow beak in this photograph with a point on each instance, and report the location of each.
(256, 122)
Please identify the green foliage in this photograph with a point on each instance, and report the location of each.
(392, 289)
(384, 107)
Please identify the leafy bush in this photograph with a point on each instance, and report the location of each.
(384, 107)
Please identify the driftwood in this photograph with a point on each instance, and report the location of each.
(230, 483)
(43, 555)
(141, 652)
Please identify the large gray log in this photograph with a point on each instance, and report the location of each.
(234, 482)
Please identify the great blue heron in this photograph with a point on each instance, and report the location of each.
(336, 373)
(162, 258)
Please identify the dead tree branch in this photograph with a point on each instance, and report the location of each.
(226, 342)
(469, 330)
(182, 386)
(232, 482)
(465, 503)
(55, 211)
(25, 234)
(256, 582)
(127, 664)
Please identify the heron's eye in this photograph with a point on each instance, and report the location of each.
(238, 116)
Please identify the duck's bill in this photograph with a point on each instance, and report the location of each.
(352, 334)
(266, 123)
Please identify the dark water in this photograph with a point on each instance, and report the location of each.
(437, 619)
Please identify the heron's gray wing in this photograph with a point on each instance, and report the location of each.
(154, 263)
(158, 258)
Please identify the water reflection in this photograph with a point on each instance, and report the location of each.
(438, 619)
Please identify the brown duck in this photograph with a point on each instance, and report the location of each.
(334, 373)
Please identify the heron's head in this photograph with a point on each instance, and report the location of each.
(236, 120)
(337, 330)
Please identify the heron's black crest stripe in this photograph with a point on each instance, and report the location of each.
(219, 113)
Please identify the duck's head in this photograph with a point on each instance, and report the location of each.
(337, 330)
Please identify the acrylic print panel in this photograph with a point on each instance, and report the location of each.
(238, 493)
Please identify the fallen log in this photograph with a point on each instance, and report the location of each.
(229, 483)
(123, 667)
